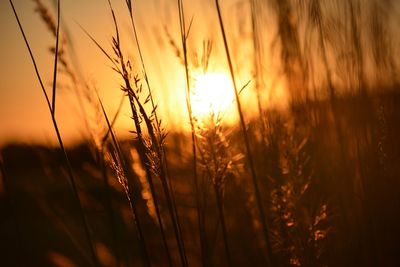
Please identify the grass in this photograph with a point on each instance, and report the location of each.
(55, 124)
(315, 184)
(249, 155)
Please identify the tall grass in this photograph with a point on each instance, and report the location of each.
(51, 107)
(249, 155)
(321, 177)
(184, 32)
(117, 162)
(151, 147)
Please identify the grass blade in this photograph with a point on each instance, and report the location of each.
(55, 124)
(53, 102)
(249, 155)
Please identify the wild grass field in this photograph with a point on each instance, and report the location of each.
(275, 142)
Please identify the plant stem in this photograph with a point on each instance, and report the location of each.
(53, 101)
(246, 140)
(193, 133)
(129, 192)
(61, 144)
(219, 197)
(109, 204)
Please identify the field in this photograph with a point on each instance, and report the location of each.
(287, 157)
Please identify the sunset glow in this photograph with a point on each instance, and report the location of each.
(212, 93)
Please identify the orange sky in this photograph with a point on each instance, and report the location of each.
(23, 112)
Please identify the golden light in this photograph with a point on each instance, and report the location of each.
(211, 93)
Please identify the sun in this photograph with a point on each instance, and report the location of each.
(212, 93)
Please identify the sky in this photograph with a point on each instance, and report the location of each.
(24, 115)
(23, 111)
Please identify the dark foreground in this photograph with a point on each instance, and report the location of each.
(329, 175)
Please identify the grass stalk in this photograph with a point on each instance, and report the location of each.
(142, 152)
(158, 130)
(217, 162)
(322, 44)
(257, 55)
(53, 102)
(249, 156)
(161, 167)
(221, 213)
(156, 206)
(200, 220)
(135, 103)
(109, 203)
(128, 191)
(146, 78)
(60, 141)
(139, 113)
(354, 9)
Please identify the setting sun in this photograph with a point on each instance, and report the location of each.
(212, 93)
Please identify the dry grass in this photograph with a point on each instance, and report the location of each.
(313, 185)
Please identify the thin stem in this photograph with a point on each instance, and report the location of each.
(156, 144)
(322, 45)
(109, 204)
(157, 208)
(193, 130)
(129, 192)
(129, 4)
(53, 101)
(167, 184)
(142, 152)
(156, 147)
(219, 197)
(246, 140)
(61, 144)
(257, 60)
(32, 57)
